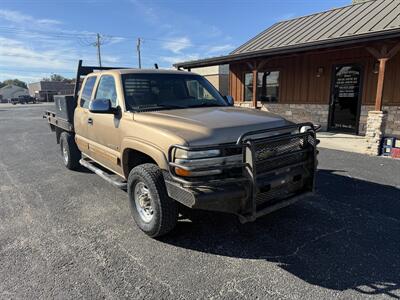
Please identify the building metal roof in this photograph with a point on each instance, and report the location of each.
(357, 22)
(12, 91)
(353, 20)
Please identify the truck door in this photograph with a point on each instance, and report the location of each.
(103, 130)
(81, 114)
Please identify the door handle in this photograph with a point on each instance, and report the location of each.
(90, 121)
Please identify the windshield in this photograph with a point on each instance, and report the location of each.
(167, 91)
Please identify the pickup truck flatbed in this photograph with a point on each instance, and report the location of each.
(56, 121)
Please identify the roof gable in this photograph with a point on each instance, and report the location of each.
(350, 21)
(12, 87)
(12, 91)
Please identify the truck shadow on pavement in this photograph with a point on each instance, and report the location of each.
(345, 237)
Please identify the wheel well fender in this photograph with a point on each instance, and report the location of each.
(136, 152)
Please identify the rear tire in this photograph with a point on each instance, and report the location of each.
(69, 151)
(153, 211)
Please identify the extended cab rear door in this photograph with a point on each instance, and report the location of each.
(81, 117)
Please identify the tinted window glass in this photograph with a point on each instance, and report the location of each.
(248, 86)
(268, 86)
(166, 91)
(106, 89)
(196, 90)
(87, 91)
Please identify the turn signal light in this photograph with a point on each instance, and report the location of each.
(182, 172)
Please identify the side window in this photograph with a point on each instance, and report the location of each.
(106, 89)
(87, 91)
(197, 91)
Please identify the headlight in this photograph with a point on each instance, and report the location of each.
(305, 129)
(196, 154)
(202, 159)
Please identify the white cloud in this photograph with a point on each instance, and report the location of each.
(34, 48)
(151, 14)
(176, 45)
(179, 58)
(18, 59)
(109, 59)
(116, 40)
(220, 49)
(15, 53)
(19, 18)
(27, 77)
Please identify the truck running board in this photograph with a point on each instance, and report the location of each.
(109, 177)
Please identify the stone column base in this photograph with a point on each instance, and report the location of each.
(374, 132)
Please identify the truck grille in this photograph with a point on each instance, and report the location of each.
(277, 194)
(273, 155)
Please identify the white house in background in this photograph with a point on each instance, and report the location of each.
(12, 91)
(218, 76)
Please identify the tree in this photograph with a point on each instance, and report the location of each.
(57, 77)
(53, 77)
(16, 82)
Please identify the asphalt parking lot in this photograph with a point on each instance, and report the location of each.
(67, 234)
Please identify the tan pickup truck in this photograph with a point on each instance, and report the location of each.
(173, 141)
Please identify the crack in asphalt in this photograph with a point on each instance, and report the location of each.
(150, 275)
(299, 248)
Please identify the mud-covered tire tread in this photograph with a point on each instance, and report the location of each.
(166, 213)
(74, 155)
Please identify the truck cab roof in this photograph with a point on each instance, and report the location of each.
(144, 71)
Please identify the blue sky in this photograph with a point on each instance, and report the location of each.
(41, 37)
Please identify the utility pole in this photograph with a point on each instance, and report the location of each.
(98, 49)
(138, 52)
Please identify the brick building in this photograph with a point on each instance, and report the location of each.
(45, 90)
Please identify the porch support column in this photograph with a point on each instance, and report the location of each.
(382, 55)
(376, 119)
(381, 79)
(254, 100)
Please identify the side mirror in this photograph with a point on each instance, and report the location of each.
(101, 106)
(229, 100)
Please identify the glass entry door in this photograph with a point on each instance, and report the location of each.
(345, 98)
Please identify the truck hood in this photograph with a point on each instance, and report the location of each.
(210, 125)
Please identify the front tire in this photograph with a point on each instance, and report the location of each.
(69, 151)
(153, 211)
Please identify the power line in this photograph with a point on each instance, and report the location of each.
(86, 39)
(36, 71)
(61, 34)
(79, 35)
(100, 40)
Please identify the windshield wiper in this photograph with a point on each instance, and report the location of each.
(170, 106)
(155, 106)
(205, 105)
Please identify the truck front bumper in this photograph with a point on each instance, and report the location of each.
(276, 172)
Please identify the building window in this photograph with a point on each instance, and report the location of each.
(267, 86)
(248, 86)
